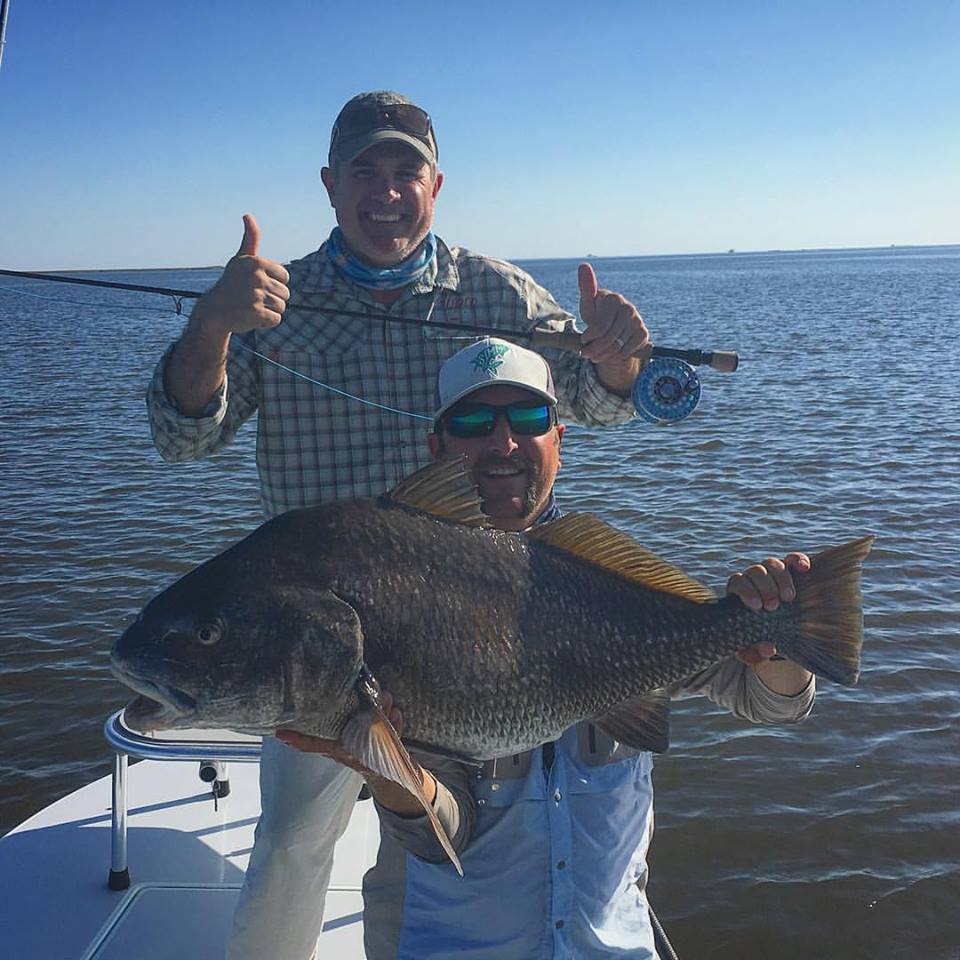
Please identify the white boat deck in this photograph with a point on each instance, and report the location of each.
(186, 862)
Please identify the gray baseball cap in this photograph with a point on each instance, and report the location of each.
(492, 361)
(375, 117)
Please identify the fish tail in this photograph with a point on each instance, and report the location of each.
(828, 613)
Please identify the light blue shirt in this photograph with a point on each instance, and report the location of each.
(555, 868)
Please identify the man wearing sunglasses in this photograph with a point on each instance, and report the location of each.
(499, 410)
(381, 261)
(553, 842)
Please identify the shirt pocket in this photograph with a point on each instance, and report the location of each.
(602, 763)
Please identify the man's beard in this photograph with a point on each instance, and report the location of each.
(532, 493)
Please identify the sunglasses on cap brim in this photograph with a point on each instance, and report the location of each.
(480, 419)
(365, 117)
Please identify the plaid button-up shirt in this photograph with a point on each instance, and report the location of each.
(314, 445)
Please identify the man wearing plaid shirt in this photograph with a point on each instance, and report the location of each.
(316, 445)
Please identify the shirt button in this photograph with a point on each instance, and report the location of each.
(494, 786)
(557, 797)
(481, 802)
(561, 864)
(559, 924)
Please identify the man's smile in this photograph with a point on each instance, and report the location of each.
(385, 217)
(502, 470)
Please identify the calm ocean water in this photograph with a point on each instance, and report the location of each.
(836, 838)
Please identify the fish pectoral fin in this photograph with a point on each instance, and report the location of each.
(642, 723)
(370, 737)
(589, 538)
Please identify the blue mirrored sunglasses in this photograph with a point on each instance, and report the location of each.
(479, 420)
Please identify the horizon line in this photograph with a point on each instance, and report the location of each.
(583, 257)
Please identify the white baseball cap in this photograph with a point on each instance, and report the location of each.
(492, 361)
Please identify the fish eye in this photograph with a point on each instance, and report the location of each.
(208, 634)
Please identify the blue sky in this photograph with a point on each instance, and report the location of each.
(137, 134)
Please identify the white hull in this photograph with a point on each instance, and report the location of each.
(186, 863)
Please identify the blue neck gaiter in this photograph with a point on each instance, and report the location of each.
(550, 511)
(380, 278)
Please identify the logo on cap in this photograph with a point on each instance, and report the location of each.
(489, 360)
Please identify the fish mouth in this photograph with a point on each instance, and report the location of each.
(158, 706)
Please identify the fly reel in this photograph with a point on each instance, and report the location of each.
(667, 390)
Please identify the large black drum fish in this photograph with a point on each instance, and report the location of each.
(490, 642)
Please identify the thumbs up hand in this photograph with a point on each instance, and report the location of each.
(616, 339)
(252, 293)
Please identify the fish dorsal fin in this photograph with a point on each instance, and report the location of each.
(589, 538)
(442, 489)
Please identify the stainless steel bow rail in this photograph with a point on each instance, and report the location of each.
(221, 746)
(725, 361)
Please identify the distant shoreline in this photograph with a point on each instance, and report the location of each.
(742, 253)
(577, 258)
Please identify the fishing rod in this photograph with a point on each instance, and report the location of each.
(666, 390)
(4, 10)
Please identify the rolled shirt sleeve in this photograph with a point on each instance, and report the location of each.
(453, 805)
(179, 437)
(735, 685)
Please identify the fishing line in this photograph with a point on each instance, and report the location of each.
(236, 340)
(666, 390)
(326, 386)
(723, 360)
(85, 303)
(180, 295)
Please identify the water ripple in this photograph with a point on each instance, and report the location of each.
(833, 838)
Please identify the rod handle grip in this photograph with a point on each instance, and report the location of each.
(555, 340)
(726, 361)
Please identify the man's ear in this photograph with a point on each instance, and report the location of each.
(326, 176)
(437, 184)
(433, 442)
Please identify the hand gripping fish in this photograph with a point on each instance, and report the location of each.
(490, 642)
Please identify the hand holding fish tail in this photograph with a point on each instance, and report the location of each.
(763, 587)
